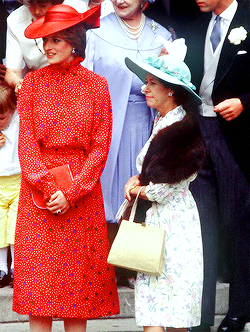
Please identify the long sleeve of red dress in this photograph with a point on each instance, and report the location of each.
(34, 170)
(61, 264)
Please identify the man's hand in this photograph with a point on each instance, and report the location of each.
(229, 109)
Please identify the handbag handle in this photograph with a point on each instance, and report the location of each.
(134, 207)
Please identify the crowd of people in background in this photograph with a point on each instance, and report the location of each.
(180, 140)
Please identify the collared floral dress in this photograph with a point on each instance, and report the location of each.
(174, 298)
(61, 265)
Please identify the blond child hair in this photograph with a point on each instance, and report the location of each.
(10, 178)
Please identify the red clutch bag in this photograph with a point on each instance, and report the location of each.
(63, 178)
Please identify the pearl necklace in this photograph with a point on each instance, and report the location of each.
(132, 32)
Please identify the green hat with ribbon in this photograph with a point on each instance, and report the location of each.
(167, 68)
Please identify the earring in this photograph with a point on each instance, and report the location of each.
(170, 94)
(73, 51)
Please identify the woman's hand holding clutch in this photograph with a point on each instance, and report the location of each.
(58, 203)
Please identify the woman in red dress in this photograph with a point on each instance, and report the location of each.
(61, 251)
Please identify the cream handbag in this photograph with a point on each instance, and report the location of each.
(138, 247)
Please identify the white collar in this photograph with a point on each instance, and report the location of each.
(228, 13)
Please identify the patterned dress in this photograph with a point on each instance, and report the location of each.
(61, 265)
(174, 298)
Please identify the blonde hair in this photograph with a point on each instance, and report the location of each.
(8, 99)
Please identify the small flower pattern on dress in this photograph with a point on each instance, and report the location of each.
(174, 298)
(61, 265)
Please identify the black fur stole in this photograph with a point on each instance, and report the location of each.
(175, 153)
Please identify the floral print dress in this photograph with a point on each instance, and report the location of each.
(174, 298)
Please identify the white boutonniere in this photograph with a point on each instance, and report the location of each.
(237, 35)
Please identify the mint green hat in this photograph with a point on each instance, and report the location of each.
(167, 68)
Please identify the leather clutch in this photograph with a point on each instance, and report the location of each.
(63, 178)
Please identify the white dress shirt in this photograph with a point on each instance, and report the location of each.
(211, 59)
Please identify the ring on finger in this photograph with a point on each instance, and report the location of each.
(58, 211)
(132, 187)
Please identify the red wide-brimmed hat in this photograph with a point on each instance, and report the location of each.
(61, 17)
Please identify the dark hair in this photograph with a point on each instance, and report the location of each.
(76, 37)
(38, 2)
(181, 95)
(175, 153)
(8, 100)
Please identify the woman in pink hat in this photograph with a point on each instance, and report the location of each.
(61, 249)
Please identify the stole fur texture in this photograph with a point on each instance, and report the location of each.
(175, 153)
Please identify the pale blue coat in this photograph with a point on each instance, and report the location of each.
(106, 50)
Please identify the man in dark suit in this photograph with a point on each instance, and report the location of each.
(219, 59)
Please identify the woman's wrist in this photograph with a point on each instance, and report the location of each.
(135, 188)
(134, 191)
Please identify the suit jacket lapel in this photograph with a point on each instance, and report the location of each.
(229, 51)
(197, 47)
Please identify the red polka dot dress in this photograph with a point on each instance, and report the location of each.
(61, 265)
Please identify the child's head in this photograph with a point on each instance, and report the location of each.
(8, 103)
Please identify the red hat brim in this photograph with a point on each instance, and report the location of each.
(61, 17)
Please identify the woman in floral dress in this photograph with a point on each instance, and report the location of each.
(61, 251)
(167, 163)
